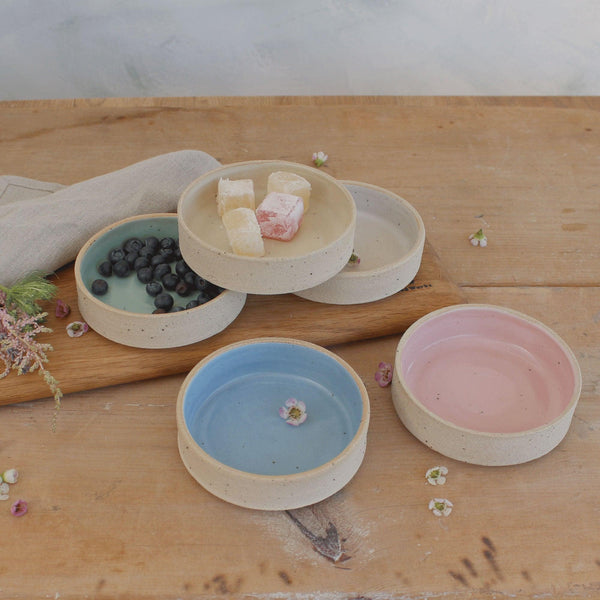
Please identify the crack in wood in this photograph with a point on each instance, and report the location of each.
(328, 545)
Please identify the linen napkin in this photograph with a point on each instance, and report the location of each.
(43, 225)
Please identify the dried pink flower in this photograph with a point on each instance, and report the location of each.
(19, 348)
(383, 376)
(19, 508)
(62, 309)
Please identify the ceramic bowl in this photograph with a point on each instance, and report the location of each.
(317, 252)
(389, 240)
(124, 314)
(485, 385)
(234, 442)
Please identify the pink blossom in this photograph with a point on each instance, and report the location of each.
(19, 508)
(62, 309)
(383, 375)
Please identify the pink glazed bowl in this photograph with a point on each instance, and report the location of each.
(485, 385)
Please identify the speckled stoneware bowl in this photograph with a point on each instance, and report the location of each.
(389, 240)
(124, 314)
(485, 385)
(234, 442)
(319, 250)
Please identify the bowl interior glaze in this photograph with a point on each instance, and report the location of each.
(231, 408)
(489, 370)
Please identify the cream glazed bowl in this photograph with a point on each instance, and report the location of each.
(124, 313)
(320, 249)
(485, 385)
(235, 436)
(389, 241)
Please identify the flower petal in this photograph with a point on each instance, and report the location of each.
(19, 508)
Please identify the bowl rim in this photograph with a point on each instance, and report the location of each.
(569, 354)
(264, 259)
(359, 435)
(416, 247)
(119, 311)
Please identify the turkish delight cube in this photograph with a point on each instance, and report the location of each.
(234, 193)
(290, 183)
(279, 215)
(243, 232)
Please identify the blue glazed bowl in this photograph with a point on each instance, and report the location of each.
(234, 442)
(124, 314)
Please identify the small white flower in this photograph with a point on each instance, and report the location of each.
(294, 412)
(478, 239)
(77, 328)
(10, 476)
(319, 158)
(436, 475)
(441, 507)
(4, 489)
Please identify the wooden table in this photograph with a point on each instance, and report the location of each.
(113, 512)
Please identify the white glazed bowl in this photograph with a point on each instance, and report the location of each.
(124, 315)
(389, 241)
(236, 445)
(485, 385)
(319, 250)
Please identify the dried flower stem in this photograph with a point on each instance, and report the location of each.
(19, 349)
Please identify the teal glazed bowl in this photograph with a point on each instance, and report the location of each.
(235, 443)
(124, 313)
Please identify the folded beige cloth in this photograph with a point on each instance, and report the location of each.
(43, 225)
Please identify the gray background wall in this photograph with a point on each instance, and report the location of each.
(104, 48)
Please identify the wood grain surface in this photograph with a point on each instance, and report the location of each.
(113, 512)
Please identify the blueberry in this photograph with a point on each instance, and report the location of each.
(181, 268)
(158, 259)
(146, 252)
(168, 254)
(192, 304)
(170, 281)
(177, 254)
(195, 281)
(115, 255)
(177, 309)
(183, 289)
(164, 301)
(145, 274)
(140, 263)
(158, 311)
(105, 268)
(161, 270)
(168, 242)
(133, 245)
(152, 243)
(203, 298)
(213, 290)
(121, 268)
(131, 257)
(99, 287)
(153, 288)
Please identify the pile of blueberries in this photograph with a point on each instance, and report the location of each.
(152, 259)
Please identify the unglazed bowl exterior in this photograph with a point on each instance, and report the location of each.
(485, 384)
(320, 249)
(235, 443)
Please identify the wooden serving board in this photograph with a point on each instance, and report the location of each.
(92, 361)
